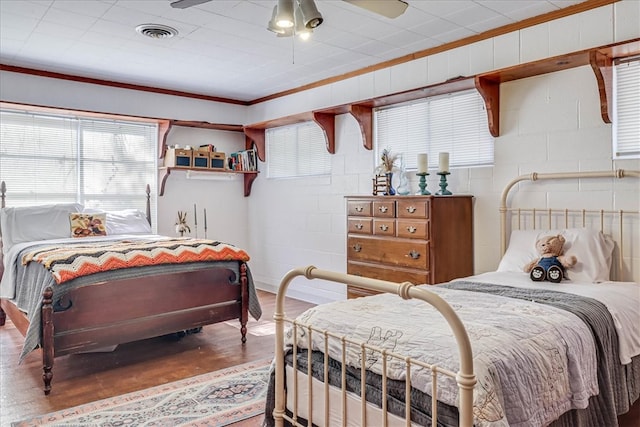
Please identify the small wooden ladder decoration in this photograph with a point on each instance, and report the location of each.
(381, 184)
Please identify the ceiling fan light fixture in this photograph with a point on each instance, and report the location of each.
(271, 26)
(284, 14)
(301, 29)
(311, 16)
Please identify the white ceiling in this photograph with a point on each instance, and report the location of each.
(223, 48)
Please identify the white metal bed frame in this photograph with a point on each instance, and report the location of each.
(465, 377)
(565, 218)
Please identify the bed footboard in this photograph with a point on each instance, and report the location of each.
(120, 311)
(290, 409)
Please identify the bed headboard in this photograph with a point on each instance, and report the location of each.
(622, 225)
(3, 195)
(3, 192)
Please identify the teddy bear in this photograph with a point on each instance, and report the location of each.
(552, 264)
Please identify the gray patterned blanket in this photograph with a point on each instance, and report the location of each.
(508, 393)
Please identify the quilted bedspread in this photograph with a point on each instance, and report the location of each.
(70, 262)
(533, 361)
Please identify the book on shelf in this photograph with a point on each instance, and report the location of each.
(245, 160)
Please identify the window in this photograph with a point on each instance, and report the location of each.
(297, 150)
(454, 123)
(106, 164)
(626, 108)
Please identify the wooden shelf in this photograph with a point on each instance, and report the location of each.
(487, 84)
(249, 176)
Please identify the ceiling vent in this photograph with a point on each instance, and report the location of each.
(156, 31)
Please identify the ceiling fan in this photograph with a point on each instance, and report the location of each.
(388, 8)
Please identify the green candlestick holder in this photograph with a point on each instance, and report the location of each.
(423, 184)
(443, 184)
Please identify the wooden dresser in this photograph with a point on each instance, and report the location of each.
(417, 239)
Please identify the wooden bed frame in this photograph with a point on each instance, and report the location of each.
(95, 316)
(302, 391)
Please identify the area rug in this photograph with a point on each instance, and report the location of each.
(258, 328)
(220, 398)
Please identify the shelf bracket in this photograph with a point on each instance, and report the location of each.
(163, 174)
(490, 92)
(248, 182)
(602, 66)
(257, 136)
(364, 117)
(164, 127)
(327, 122)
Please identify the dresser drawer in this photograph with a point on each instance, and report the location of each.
(391, 274)
(356, 292)
(413, 208)
(413, 229)
(384, 227)
(384, 209)
(359, 208)
(359, 225)
(406, 253)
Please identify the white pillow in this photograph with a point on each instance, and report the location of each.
(127, 221)
(592, 249)
(32, 223)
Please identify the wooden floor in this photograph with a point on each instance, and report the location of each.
(84, 378)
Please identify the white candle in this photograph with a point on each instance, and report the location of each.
(423, 163)
(444, 162)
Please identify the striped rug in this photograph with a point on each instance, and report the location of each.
(229, 397)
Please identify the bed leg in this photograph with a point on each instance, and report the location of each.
(244, 294)
(47, 339)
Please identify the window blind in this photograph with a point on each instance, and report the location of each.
(454, 123)
(297, 150)
(102, 164)
(626, 121)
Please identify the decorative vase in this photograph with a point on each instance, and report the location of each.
(390, 190)
(403, 183)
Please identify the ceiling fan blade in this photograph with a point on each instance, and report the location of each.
(183, 4)
(389, 8)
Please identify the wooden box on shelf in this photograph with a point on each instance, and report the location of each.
(201, 160)
(217, 160)
(178, 157)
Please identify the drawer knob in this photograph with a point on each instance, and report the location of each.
(383, 209)
(359, 208)
(357, 247)
(359, 226)
(411, 209)
(414, 254)
(384, 227)
(411, 229)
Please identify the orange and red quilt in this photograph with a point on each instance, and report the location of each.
(72, 261)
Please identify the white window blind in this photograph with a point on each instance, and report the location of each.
(100, 163)
(626, 120)
(297, 150)
(454, 123)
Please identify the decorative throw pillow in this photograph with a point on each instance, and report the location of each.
(27, 223)
(591, 247)
(85, 225)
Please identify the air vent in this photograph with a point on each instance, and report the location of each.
(156, 31)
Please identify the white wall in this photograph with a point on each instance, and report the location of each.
(222, 195)
(548, 123)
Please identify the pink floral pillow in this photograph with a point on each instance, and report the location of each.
(85, 225)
